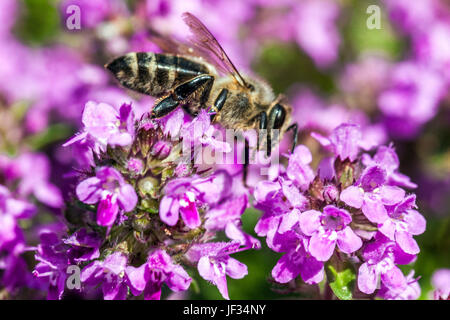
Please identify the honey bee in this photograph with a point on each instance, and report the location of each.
(201, 75)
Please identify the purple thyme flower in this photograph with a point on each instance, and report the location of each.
(410, 292)
(403, 223)
(135, 165)
(158, 269)
(161, 149)
(11, 210)
(441, 283)
(104, 125)
(13, 267)
(281, 201)
(10, 233)
(316, 31)
(330, 193)
(297, 260)
(200, 131)
(182, 195)
(32, 170)
(214, 263)
(368, 74)
(15, 272)
(172, 123)
(95, 12)
(387, 158)
(227, 216)
(411, 98)
(371, 195)
(298, 168)
(181, 199)
(110, 273)
(381, 258)
(84, 246)
(314, 114)
(109, 188)
(411, 16)
(431, 47)
(344, 141)
(53, 263)
(328, 228)
(8, 14)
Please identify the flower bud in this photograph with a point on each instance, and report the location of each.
(330, 193)
(161, 150)
(148, 186)
(135, 165)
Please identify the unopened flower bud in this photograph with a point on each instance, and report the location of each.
(148, 186)
(135, 165)
(330, 193)
(161, 150)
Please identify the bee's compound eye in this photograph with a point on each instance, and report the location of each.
(251, 87)
(277, 116)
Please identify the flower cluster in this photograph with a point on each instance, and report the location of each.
(26, 188)
(12, 240)
(353, 210)
(126, 206)
(130, 239)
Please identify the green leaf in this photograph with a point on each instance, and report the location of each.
(53, 133)
(39, 22)
(360, 38)
(341, 282)
(346, 178)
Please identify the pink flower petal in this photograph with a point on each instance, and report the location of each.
(407, 242)
(416, 222)
(374, 210)
(367, 278)
(310, 221)
(391, 195)
(236, 269)
(321, 247)
(127, 197)
(169, 211)
(348, 241)
(107, 211)
(352, 196)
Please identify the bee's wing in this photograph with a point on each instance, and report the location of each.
(208, 46)
(170, 45)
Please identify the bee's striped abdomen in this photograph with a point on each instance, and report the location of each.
(153, 73)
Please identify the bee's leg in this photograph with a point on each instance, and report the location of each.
(219, 102)
(180, 94)
(269, 144)
(246, 163)
(164, 107)
(262, 118)
(262, 125)
(294, 128)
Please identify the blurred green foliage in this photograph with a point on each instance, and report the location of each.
(283, 65)
(40, 21)
(357, 38)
